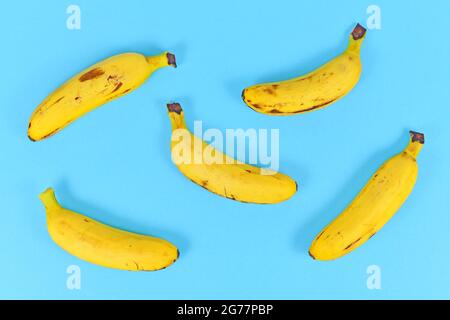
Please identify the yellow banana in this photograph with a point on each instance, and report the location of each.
(98, 84)
(103, 245)
(376, 203)
(226, 177)
(314, 90)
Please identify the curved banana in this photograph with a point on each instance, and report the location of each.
(226, 177)
(103, 245)
(314, 90)
(372, 208)
(98, 84)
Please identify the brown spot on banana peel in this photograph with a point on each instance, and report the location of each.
(204, 183)
(353, 243)
(137, 265)
(117, 87)
(275, 111)
(358, 32)
(174, 107)
(306, 78)
(59, 99)
(112, 78)
(50, 134)
(269, 91)
(318, 237)
(92, 74)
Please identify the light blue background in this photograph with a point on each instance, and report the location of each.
(114, 164)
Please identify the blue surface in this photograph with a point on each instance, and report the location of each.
(114, 164)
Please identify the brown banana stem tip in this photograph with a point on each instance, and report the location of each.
(174, 107)
(171, 60)
(358, 32)
(417, 136)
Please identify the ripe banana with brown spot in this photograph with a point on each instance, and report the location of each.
(98, 84)
(314, 90)
(373, 207)
(103, 245)
(224, 176)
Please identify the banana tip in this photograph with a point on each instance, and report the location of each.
(417, 137)
(243, 94)
(31, 138)
(358, 32)
(174, 107)
(48, 197)
(171, 60)
(47, 191)
(311, 255)
(29, 134)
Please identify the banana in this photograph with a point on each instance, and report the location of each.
(103, 245)
(314, 90)
(372, 208)
(98, 84)
(227, 177)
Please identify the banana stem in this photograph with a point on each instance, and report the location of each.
(163, 60)
(358, 32)
(176, 116)
(48, 198)
(356, 38)
(416, 143)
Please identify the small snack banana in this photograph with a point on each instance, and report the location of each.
(228, 177)
(103, 245)
(373, 207)
(314, 90)
(95, 86)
